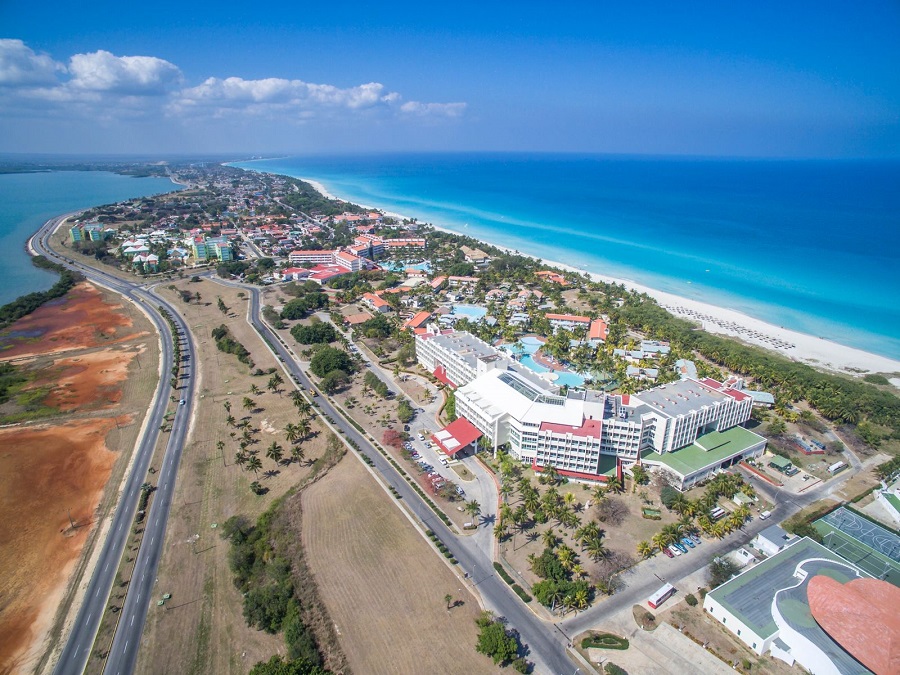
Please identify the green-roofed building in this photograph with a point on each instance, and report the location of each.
(710, 453)
(767, 607)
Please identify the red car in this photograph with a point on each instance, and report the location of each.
(668, 552)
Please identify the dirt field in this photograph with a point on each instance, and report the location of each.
(383, 584)
(44, 473)
(82, 319)
(202, 628)
(100, 394)
(698, 625)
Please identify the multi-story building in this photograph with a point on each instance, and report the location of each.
(310, 258)
(689, 427)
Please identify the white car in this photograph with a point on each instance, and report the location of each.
(182, 402)
(420, 437)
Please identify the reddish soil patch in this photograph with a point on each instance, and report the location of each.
(88, 381)
(82, 319)
(43, 473)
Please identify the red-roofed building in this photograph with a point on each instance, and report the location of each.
(457, 438)
(294, 273)
(588, 429)
(348, 261)
(356, 319)
(552, 276)
(376, 303)
(440, 372)
(462, 281)
(568, 320)
(862, 617)
(598, 331)
(322, 273)
(417, 321)
(437, 282)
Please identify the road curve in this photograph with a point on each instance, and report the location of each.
(80, 642)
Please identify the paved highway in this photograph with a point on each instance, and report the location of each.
(123, 654)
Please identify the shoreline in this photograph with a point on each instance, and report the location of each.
(791, 344)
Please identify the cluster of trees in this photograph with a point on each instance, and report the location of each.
(559, 569)
(236, 268)
(376, 327)
(319, 332)
(839, 399)
(495, 641)
(405, 411)
(720, 570)
(333, 365)
(263, 574)
(303, 306)
(26, 304)
(372, 382)
(226, 343)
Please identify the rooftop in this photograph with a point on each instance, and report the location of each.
(678, 398)
(773, 583)
(716, 446)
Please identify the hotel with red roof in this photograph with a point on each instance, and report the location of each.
(691, 428)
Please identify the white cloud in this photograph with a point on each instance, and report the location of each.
(102, 71)
(104, 87)
(276, 94)
(21, 66)
(434, 109)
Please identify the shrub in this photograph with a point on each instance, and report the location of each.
(690, 599)
(605, 641)
(612, 669)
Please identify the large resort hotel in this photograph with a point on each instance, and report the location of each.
(691, 428)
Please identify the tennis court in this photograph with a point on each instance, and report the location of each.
(870, 547)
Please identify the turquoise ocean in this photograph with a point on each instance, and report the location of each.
(28, 200)
(813, 246)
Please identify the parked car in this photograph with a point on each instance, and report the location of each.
(696, 539)
(460, 491)
(687, 541)
(420, 437)
(679, 547)
(668, 553)
(444, 462)
(674, 550)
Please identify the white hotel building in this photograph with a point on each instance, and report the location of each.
(681, 425)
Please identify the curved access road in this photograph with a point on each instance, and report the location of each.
(123, 654)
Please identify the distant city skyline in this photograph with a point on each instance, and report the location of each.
(798, 80)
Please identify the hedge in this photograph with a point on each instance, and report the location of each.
(604, 641)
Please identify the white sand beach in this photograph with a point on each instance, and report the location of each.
(797, 346)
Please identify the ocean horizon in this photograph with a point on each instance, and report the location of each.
(809, 245)
(28, 200)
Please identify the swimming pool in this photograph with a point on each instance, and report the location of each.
(470, 312)
(400, 266)
(529, 345)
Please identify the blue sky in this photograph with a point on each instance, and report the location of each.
(797, 79)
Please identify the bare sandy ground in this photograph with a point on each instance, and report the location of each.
(46, 474)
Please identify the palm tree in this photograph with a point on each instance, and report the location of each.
(580, 599)
(256, 391)
(297, 453)
(569, 498)
(303, 427)
(550, 538)
(566, 557)
(254, 464)
(227, 406)
(272, 385)
(248, 403)
(595, 549)
(291, 433)
(275, 452)
(230, 420)
(598, 492)
(295, 396)
(240, 458)
(644, 549)
(578, 571)
(531, 499)
(220, 446)
(660, 540)
(473, 508)
(500, 530)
